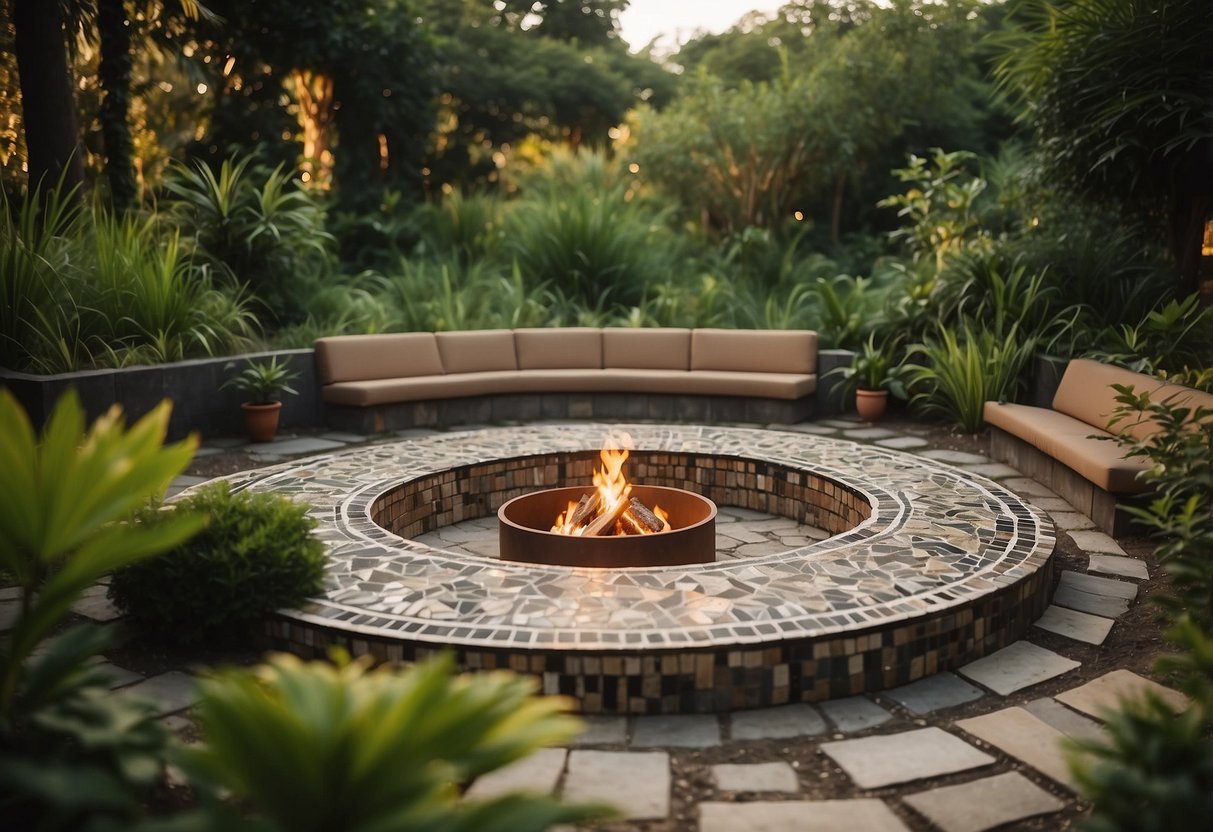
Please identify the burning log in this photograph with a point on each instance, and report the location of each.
(637, 519)
(586, 510)
(604, 523)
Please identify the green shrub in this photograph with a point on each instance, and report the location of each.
(313, 746)
(73, 753)
(256, 555)
(253, 227)
(959, 375)
(1152, 768)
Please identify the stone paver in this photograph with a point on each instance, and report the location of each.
(797, 720)
(814, 428)
(603, 730)
(636, 782)
(993, 470)
(943, 690)
(537, 773)
(1126, 567)
(1018, 733)
(855, 713)
(983, 804)
(902, 443)
(1068, 521)
(1017, 666)
(291, 447)
(344, 437)
(1054, 504)
(756, 777)
(868, 433)
(883, 760)
(1094, 541)
(868, 815)
(174, 691)
(10, 611)
(1080, 626)
(94, 604)
(118, 676)
(1098, 596)
(1070, 723)
(841, 423)
(1027, 485)
(676, 730)
(955, 457)
(1104, 694)
(176, 723)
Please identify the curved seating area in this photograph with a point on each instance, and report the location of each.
(374, 383)
(1069, 447)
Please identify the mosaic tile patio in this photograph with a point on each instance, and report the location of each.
(929, 567)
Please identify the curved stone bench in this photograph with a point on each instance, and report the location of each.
(375, 383)
(928, 569)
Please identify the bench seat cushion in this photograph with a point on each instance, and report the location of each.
(1071, 442)
(754, 351)
(559, 348)
(391, 355)
(391, 390)
(788, 386)
(659, 348)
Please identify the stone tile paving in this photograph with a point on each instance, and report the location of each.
(538, 774)
(888, 759)
(173, 691)
(943, 690)
(1124, 567)
(854, 714)
(1080, 626)
(1020, 734)
(1071, 723)
(603, 730)
(902, 443)
(1098, 596)
(676, 731)
(756, 777)
(1093, 541)
(1069, 521)
(94, 604)
(1103, 694)
(1017, 666)
(799, 720)
(637, 782)
(868, 815)
(1028, 734)
(985, 803)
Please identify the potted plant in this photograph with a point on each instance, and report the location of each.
(264, 383)
(873, 374)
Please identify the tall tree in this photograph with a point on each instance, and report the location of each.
(52, 134)
(1120, 95)
(114, 73)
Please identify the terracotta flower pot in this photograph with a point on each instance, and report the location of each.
(261, 420)
(870, 404)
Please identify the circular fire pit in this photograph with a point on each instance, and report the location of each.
(524, 524)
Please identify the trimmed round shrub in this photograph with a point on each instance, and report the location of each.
(256, 555)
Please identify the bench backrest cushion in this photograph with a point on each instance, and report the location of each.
(755, 351)
(633, 348)
(1086, 393)
(559, 348)
(477, 351)
(366, 357)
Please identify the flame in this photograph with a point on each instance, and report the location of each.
(613, 487)
(663, 516)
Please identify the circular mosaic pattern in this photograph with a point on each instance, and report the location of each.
(935, 540)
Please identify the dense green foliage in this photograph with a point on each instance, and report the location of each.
(1154, 767)
(255, 555)
(73, 754)
(320, 747)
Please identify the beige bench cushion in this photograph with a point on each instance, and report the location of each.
(646, 349)
(559, 348)
(392, 390)
(1071, 442)
(1086, 393)
(477, 351)
(754, 351)
(361, 357)
(788, 386)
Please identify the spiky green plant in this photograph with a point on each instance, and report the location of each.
(319, 746)
(958, 375)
